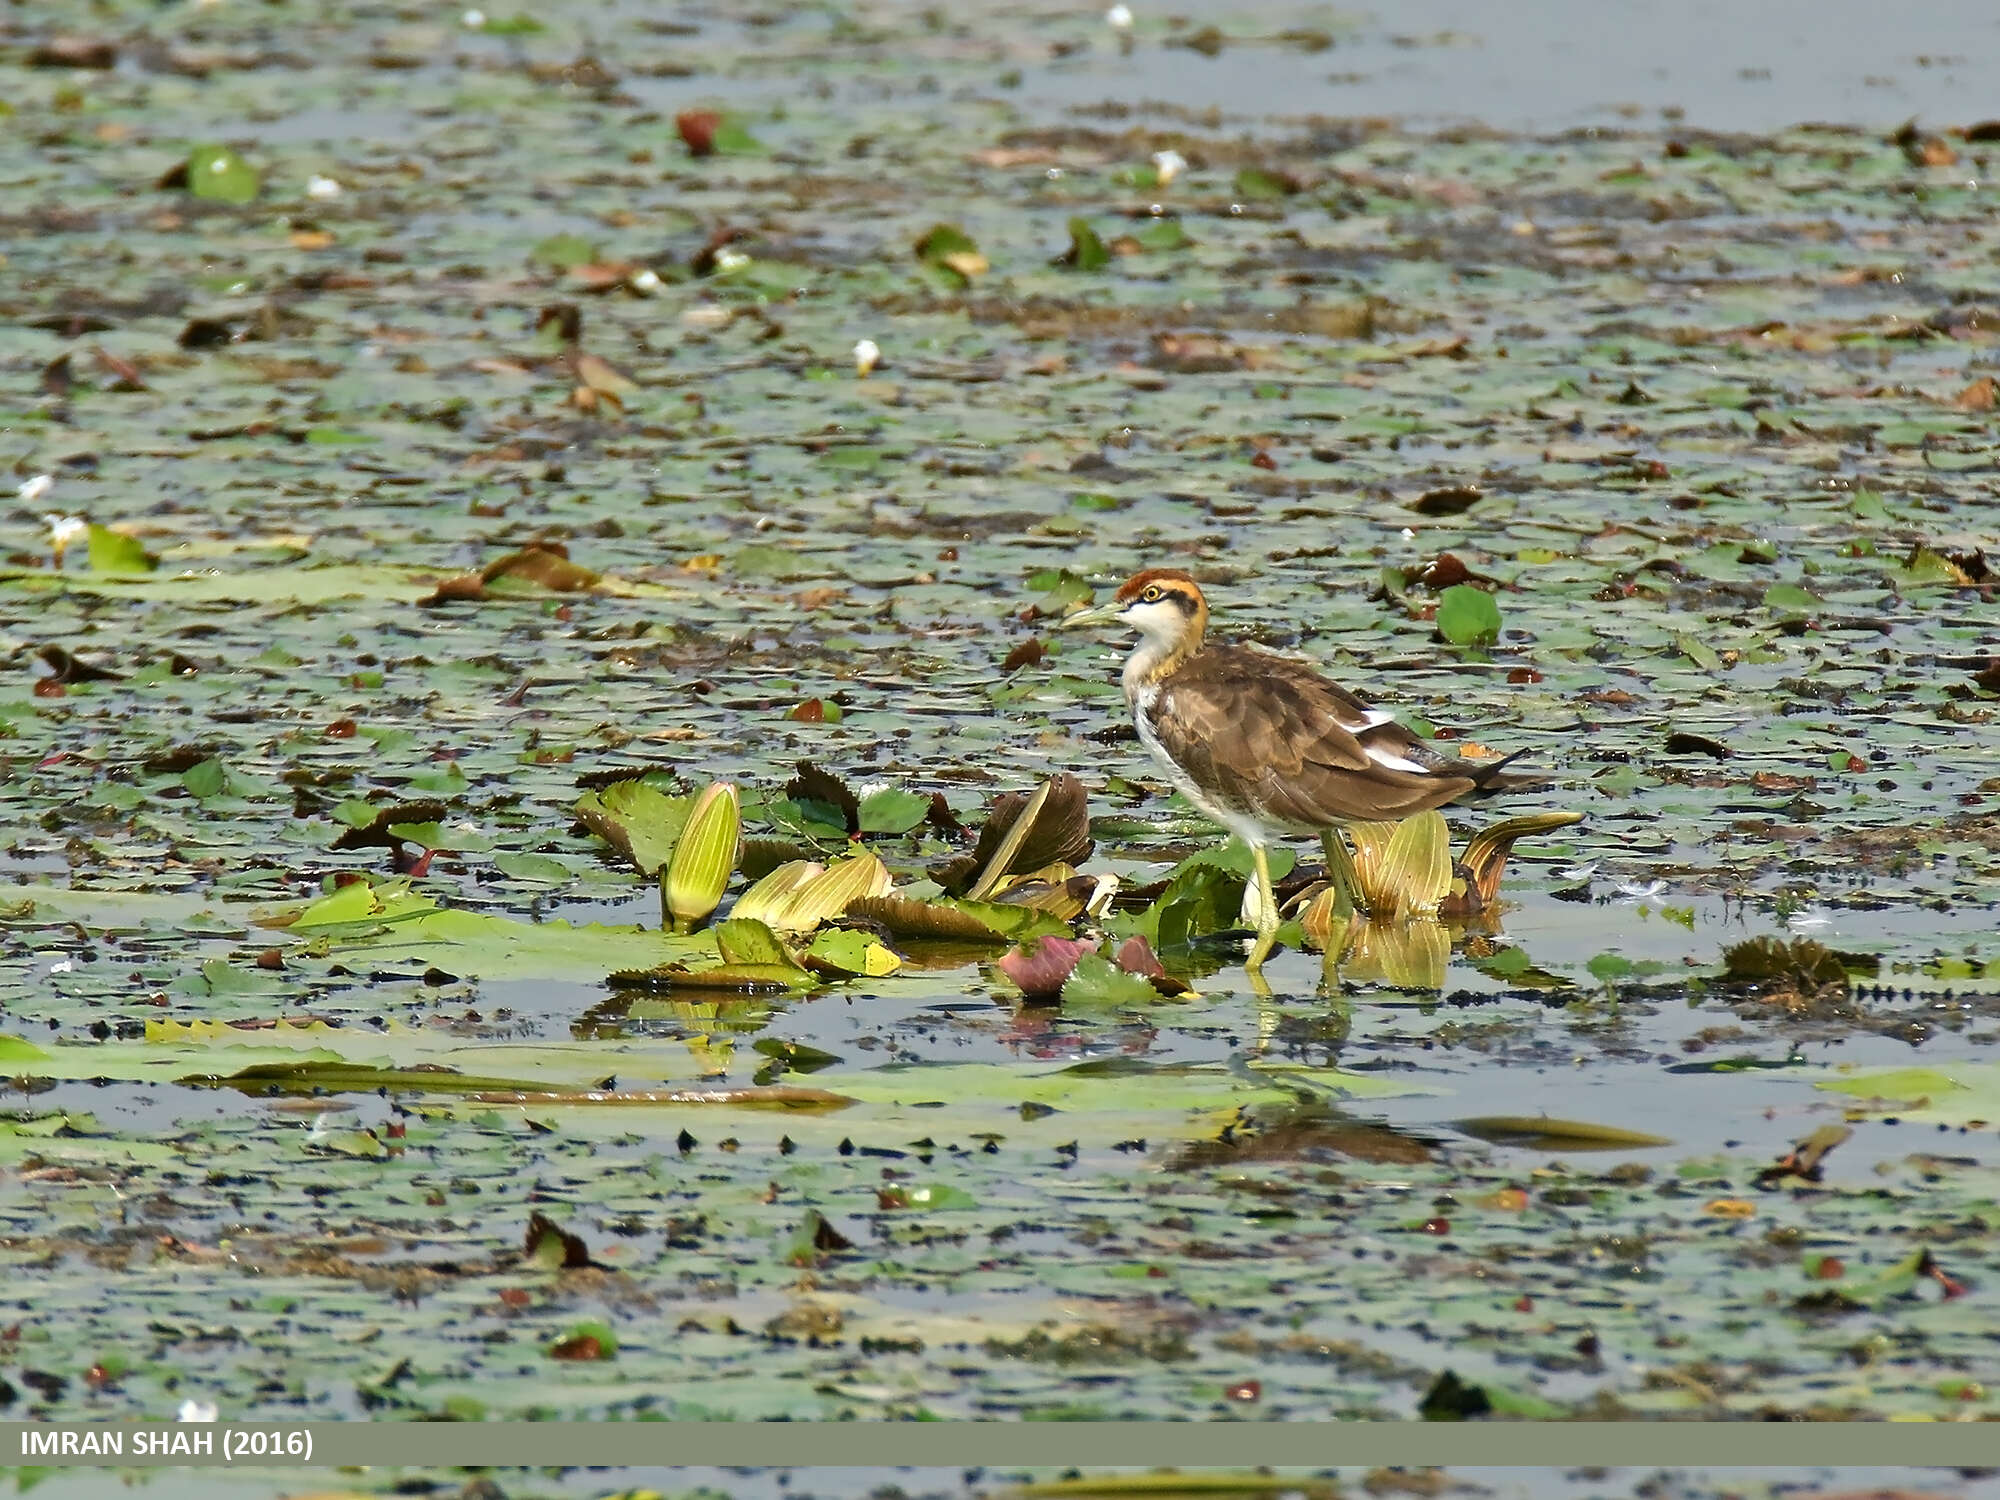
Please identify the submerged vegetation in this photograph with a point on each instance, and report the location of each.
(557, 864)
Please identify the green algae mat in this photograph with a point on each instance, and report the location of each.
(439, 447)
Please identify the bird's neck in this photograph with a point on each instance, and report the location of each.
(1155, 659)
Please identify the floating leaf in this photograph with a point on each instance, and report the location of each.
(840, 951)
(741, 940)
(585, 1341)
(220, 175)
(560, 252)
(638, 820)
(952, 251)
(925, 1198)
(1086, 250)
(1096, 980)
(725, 978)
(892, 811)
(1468, 616)
(1256, 184)
(1544, 1134)
(115, 552)
(954, 921)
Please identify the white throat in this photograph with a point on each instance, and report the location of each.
(1160, 635)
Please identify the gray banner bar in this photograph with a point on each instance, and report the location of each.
(1208, 1446)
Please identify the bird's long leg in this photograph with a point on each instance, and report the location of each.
(1340, 869)
(1267, 910)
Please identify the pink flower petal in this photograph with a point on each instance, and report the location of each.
(1136, 956)
(1040, 967)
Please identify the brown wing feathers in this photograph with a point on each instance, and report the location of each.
(1274, 738)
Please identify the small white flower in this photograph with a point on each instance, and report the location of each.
(646, 282)
(1578, 872)
(1634, 891)
(1119, 18)
(198, 1411)
(473, 19)
(1167, 165)
(33, 489)
(867, 354)
(730, 260)
(322, 187)
(65, 529)
(61, 966)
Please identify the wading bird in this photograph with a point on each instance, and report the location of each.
(1265, 745)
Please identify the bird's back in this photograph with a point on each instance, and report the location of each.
(1270, 737)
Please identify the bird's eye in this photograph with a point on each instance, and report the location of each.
(1151, 596)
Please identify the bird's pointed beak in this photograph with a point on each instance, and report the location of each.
(1097, 614)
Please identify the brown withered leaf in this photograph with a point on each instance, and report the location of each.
(1029, 653)
(704, 259)
(601, 376)
(1195, 354)
(1981, 395)
(1680, 742)
(543, 565)
(376, 835)
(75, 52)
(1306, 1132)
(1805, 1158)
(813, 784)
(567, 317)
(697, 129)
(206, 333)
(1448, 500)
(548, 1243)
(124, 374)
(67, 668)
(1060, 835)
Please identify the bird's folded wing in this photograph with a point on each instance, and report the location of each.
(1273, 736)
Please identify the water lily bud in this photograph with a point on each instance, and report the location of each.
(696, 877)
(766, 900)
(31, 490)
(867, 354)
(832, 891)
(1167, 165)
(323, 188)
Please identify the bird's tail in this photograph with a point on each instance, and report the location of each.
(1491, 776)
